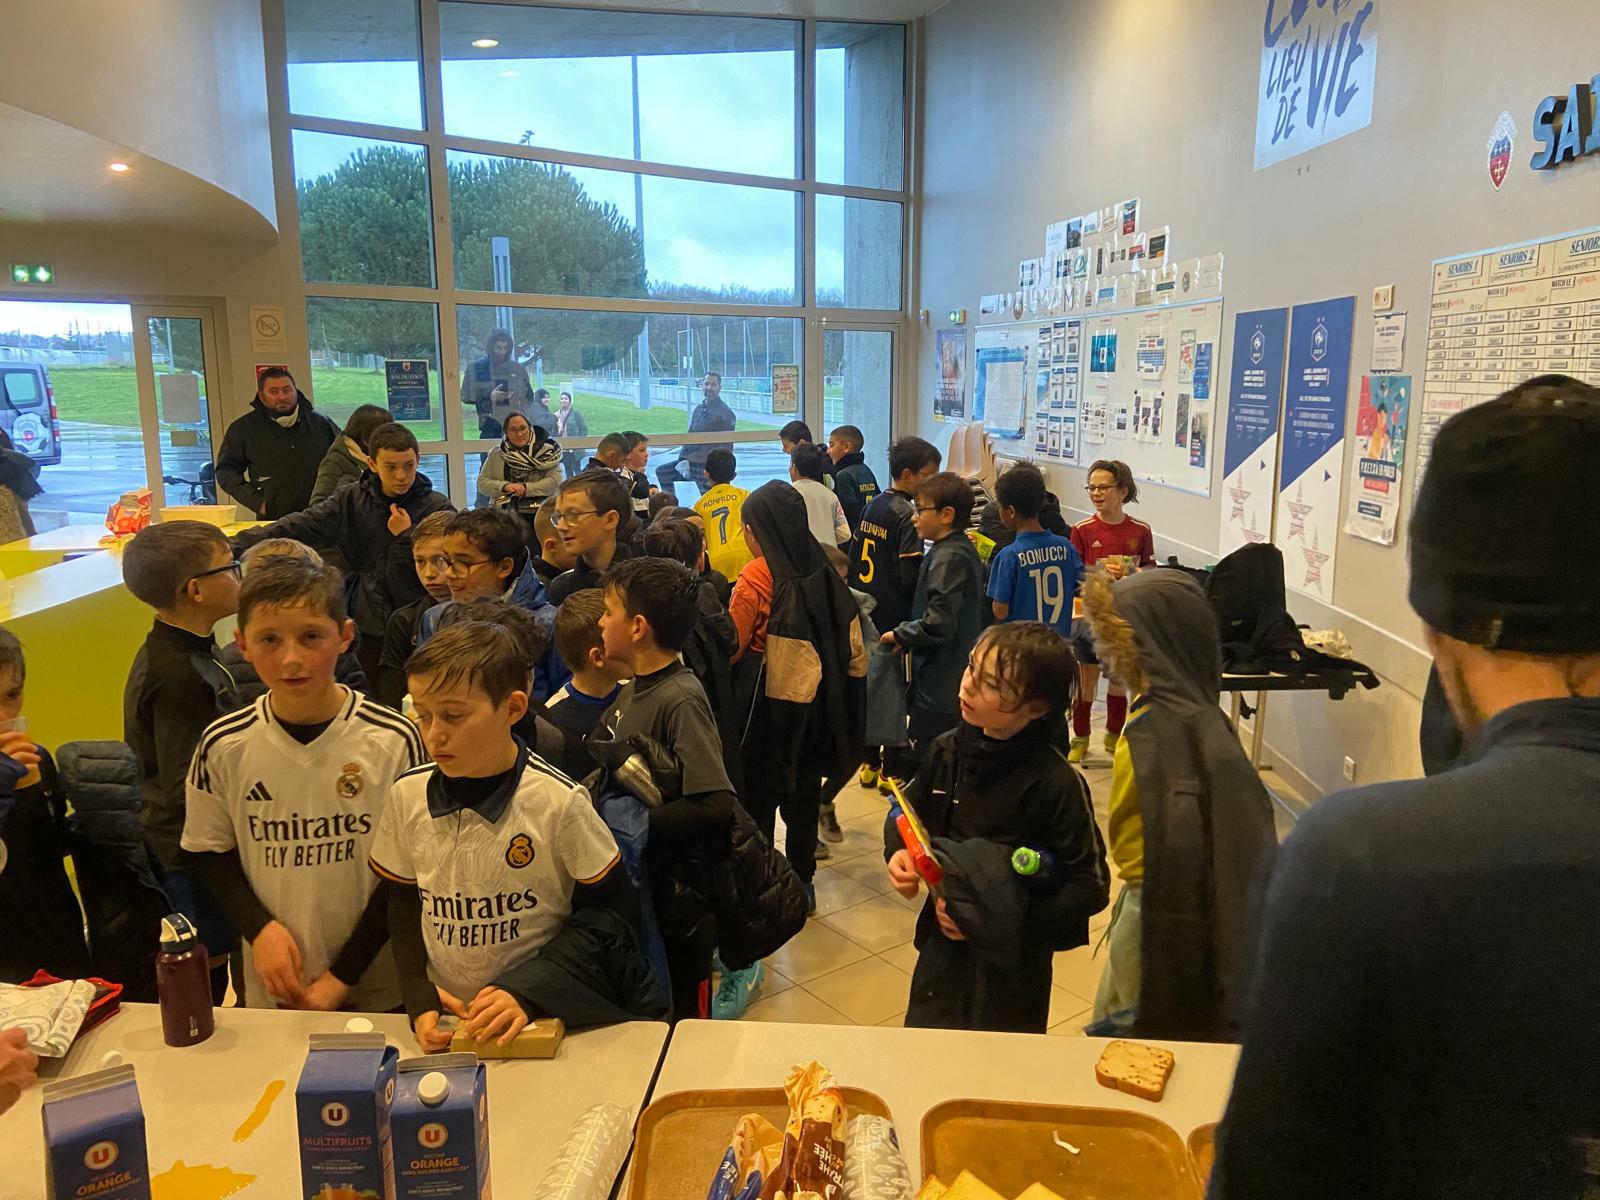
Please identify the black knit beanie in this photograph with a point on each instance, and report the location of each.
(1505, 535)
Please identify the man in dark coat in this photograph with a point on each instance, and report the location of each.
(269, 457)
(369, 522)
(1424, 1017)
(711, 415)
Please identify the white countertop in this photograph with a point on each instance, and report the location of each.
(195, 1098)
(914, 1070)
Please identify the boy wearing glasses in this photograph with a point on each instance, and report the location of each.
(590, 508)
(171, 696)
(486, 558)
(946, 610)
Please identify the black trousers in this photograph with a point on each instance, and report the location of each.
(953, 987)
(779, 779)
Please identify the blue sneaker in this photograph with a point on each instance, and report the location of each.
(811, 898)
(734, 992)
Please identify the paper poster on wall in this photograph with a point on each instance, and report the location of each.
(1388, 341)
(1152, 354)
(1318, 66)
(1119, 419)
(950, 393)
(1250, 455)
(1157, 426)
(786, 388)
(1311, 473)
(1103, 352)
(1129, 210)
(1202, 371)
(1199, 439)
(1095, 418)
(1000, 382)
(1186, 356)
(1382, 421)
(1181, 422)
(405, 382)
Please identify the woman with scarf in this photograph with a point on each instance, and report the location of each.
(523, 471)
(19, 483)
(798, 620)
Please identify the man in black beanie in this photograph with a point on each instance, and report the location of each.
(1427, 1010)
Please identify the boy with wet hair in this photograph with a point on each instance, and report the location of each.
(996, 785)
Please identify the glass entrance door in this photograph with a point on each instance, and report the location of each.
(856, 386)
(176, 356)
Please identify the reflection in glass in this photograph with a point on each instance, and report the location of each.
(349, 341)
(858, 253)
(521, 226)
(354, 63)
(595, 356)
(364, 211)
(858, 389)
(650, 87)
(182, 410)
(860, 74)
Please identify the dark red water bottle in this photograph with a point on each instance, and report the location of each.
(183, 983)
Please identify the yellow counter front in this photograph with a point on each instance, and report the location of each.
(79, 627)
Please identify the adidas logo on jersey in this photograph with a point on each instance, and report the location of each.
(259, 794)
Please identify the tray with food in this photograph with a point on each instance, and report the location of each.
(806, 1139)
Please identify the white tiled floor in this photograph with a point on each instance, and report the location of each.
(852, 963)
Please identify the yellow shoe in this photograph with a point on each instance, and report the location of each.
(869, 775)
(1077, 749)
(1111, 741)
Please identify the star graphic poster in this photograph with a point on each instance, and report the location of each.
(1250, 428)
(1312, 451)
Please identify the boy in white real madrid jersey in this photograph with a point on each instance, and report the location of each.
(489, 849)
(284, 799)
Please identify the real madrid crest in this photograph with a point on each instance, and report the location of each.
(520, 852)
(350, 783)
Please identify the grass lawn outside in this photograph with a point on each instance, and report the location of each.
(110, 396)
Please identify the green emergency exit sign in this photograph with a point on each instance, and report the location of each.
(34, 274)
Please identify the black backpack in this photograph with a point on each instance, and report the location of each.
(1243, 586)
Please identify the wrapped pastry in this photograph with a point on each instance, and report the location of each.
(874, 1168)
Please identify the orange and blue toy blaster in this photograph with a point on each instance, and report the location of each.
(916, 840)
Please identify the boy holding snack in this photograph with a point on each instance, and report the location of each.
(284, 798)
(996, 785)
(489, 849)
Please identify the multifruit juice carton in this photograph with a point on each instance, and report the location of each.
(94, 1138)
(441, 1129)
(343, 1102)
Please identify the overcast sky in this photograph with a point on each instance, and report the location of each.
(52, 319)
(733, 112)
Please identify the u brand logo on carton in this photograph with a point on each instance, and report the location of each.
(433, 1135)
(100, 1156)
(335, 1114)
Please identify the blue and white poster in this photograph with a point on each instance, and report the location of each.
(405, 387)
(1250, 454)
(1317, 399)
(1319, 63)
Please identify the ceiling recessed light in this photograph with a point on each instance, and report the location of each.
(509, 74)
(486, 43)
(119, 167)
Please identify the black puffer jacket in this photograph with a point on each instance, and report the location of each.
(354, 522)
(123, 901)
(269, 469)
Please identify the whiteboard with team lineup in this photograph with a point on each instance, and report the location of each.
(1499, 317)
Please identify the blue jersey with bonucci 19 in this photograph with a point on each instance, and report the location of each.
(1037, 575)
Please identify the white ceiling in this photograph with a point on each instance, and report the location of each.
(58, 174)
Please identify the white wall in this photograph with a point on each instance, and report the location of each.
(178, 80)
(1036, 110)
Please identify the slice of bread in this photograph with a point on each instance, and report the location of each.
(932, 1189)
(1135, 1068)
(1038, 1192)
(969, 1187)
